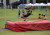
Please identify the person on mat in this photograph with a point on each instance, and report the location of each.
(19, 13)
(44, 17)
(39, 16)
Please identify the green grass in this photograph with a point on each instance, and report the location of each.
(13, 15)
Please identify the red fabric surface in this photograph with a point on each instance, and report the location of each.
(28, 25)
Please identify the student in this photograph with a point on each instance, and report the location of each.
(19, 13)
(44, 17)
(23, 12)
(39, 16)
(31, 12)
(28, 14)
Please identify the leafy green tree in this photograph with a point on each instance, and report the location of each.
(41, 1)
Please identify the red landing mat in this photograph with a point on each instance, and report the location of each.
(28, 25)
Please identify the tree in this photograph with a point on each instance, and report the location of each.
(42, 1)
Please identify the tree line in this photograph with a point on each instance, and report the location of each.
(42, 1)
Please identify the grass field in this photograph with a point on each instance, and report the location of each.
(13, 15)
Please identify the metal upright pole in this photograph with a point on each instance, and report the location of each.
(4, 2)
(5, 9)
(46, 8)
